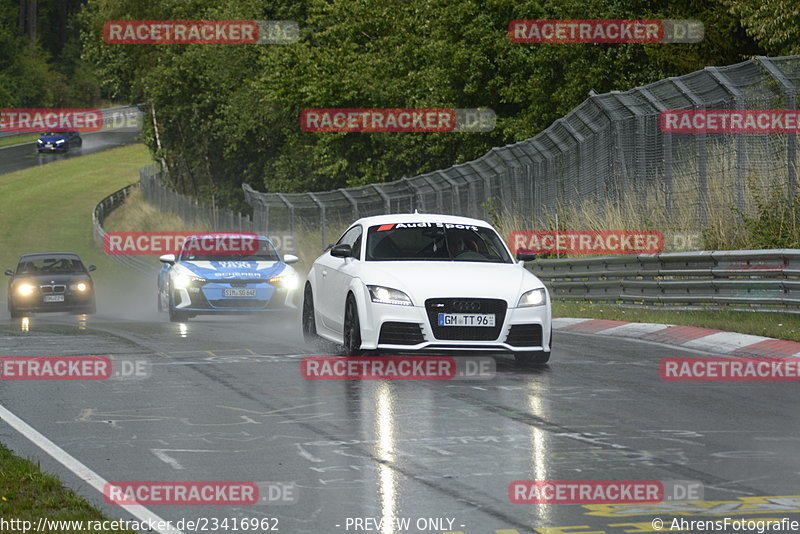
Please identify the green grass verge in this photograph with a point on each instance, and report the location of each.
(27, 494)
(48, 208)
(17, 139)
(777, 325)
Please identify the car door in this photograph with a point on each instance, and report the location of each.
(334, 279)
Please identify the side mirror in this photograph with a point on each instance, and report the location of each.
(91, 268)
(526, 256)
(342, 251)
(9, 273)
(330, 246)
(289, 259)
(167, 258)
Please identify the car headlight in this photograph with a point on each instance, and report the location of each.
(387, 295)
(181, 281)
(80, 287)
(60, 141)
(25, 290)
(534, 297)
(286, 281)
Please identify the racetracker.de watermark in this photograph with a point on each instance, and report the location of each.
(398, 368)
(158, 243)
(200, 493)
(603, 491)
(71, 368)
(201, 32)
(730, 121)
(36, 120)
(586, 242)
(724, 369)
(428, 120)
(605, 31)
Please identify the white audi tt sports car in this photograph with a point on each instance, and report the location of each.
(427, 282)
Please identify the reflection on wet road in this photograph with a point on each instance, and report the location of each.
(226, 402)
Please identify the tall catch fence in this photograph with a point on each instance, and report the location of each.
(204, 217)
(607, 155)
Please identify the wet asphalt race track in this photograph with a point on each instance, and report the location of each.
(18, 157)
(225, 401)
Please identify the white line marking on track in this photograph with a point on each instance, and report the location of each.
(83, 472)
(307, 455)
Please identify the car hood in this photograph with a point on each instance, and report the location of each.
(428, 279)
(51, 138)
(233, 269)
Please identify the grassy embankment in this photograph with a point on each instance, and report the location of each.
(49, 208)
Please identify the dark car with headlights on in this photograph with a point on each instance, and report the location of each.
(50, 282)
(58, 141)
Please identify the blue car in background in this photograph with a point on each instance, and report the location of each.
(204, 283)
(58, 141)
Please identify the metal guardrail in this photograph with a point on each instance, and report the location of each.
(752, 280)
(101, 210)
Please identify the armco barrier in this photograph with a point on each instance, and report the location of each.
(754, 280)
(103, 208)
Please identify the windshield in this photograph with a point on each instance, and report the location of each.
(50, 264)
(265, 252)
(435, 242)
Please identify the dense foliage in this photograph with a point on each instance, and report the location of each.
(40, 63)
(220, 115)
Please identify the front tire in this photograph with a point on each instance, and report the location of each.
(308, 318)
(176, 316)
(352, 328)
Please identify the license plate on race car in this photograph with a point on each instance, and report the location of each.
(466, 319)
(54, 298)
(240, 292)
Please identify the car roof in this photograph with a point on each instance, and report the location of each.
(419, 217)
(34, 254)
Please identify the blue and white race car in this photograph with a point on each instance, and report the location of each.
(197, 282)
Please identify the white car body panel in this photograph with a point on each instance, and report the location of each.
(332, 278)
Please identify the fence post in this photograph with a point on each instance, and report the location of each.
(352, 201)
(667, 148)
(791, 138)
(289, 204)
(387, 202)
(738, 98)
(702, 154)
(323, 222)
(456, 197)
(417, 195)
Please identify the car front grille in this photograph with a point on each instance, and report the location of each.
(48, 289)
(525, 335)
(434, 307)
(396, 333)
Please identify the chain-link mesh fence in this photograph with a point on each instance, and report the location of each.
(608, 157)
